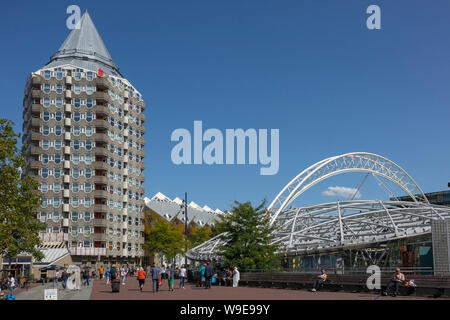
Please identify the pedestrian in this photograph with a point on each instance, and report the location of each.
(209, 272)
(155, 273)
(64, 278)
(170, 277)
(141, 278)
(101, 272)
(56, 277)
(123, 274)
(11, 285)
(107, 274)
(86, 276)
(113, 273)
(236, 277)
(202, 273)
(183, 274)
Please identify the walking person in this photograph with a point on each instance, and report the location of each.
(141, 278)
(64, 278)
(209, 272)
(107, 274)
(86, 277)
(155, 272)
(123, 274)
(101, 272)
(202, 273)
(236, 277)
(170, 277)
(56, 277)
(183, 275)
(11, 285)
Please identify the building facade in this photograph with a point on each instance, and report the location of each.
(83, 123)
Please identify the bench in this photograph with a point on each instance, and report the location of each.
(435, 285)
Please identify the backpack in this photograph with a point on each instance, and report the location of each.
(113, 273)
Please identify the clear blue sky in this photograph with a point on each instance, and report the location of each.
(309, 68)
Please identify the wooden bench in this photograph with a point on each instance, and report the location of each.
(436, 285)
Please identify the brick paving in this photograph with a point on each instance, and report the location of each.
(131, 291)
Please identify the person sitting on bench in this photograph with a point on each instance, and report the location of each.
(321, 278)
(397, 279)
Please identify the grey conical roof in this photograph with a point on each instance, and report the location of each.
(84, 48)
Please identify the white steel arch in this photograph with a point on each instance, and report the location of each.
(351, 162)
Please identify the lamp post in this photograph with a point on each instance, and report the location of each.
(185, 227)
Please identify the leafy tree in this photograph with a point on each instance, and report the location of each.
(165, 239)
(19, 228)
(248, 234)
(197, 236)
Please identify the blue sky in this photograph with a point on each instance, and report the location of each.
(309, 68)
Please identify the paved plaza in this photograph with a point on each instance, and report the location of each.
(130, 291)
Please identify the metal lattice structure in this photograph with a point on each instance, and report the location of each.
(348, 224)
(352, 162)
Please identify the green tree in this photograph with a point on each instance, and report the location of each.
(165, 239)
(19, 200)
(248, 234)
(198, 236)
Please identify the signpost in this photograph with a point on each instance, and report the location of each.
(51, 295)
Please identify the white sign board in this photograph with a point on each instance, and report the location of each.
(51, 294)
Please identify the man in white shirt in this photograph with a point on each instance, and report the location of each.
(183, 275)
(12, 285)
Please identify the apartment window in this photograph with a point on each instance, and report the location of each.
(58, 116)
(76, 116)
(56, 216)
(90, 76)
(45, 130)
(76, 131)
(75, 202)
(58, 158)
(56, 202)
(75, 216)
(89, 89)
(59, 102)
(89, 117)
(46, 116)
(45, 144)
(45, 158)
(88, 173)
(76, 144)
(88, 145)
(44, 173)
(89, 131)
(47, 74)
(75, 188)
(58, 131)
(87, 187)
(87, 216)
(74, 234)
(46, 88)
(89, 103)
(58, 144)
(76, 173)
(77, 89)
(56, 187)
(59, 88)
(77, 103)
(57, 173)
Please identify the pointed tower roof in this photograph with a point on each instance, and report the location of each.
(84, 48)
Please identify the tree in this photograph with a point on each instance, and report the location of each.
(248, 234)
(164, 238)
(19, 200)
(198, 236)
